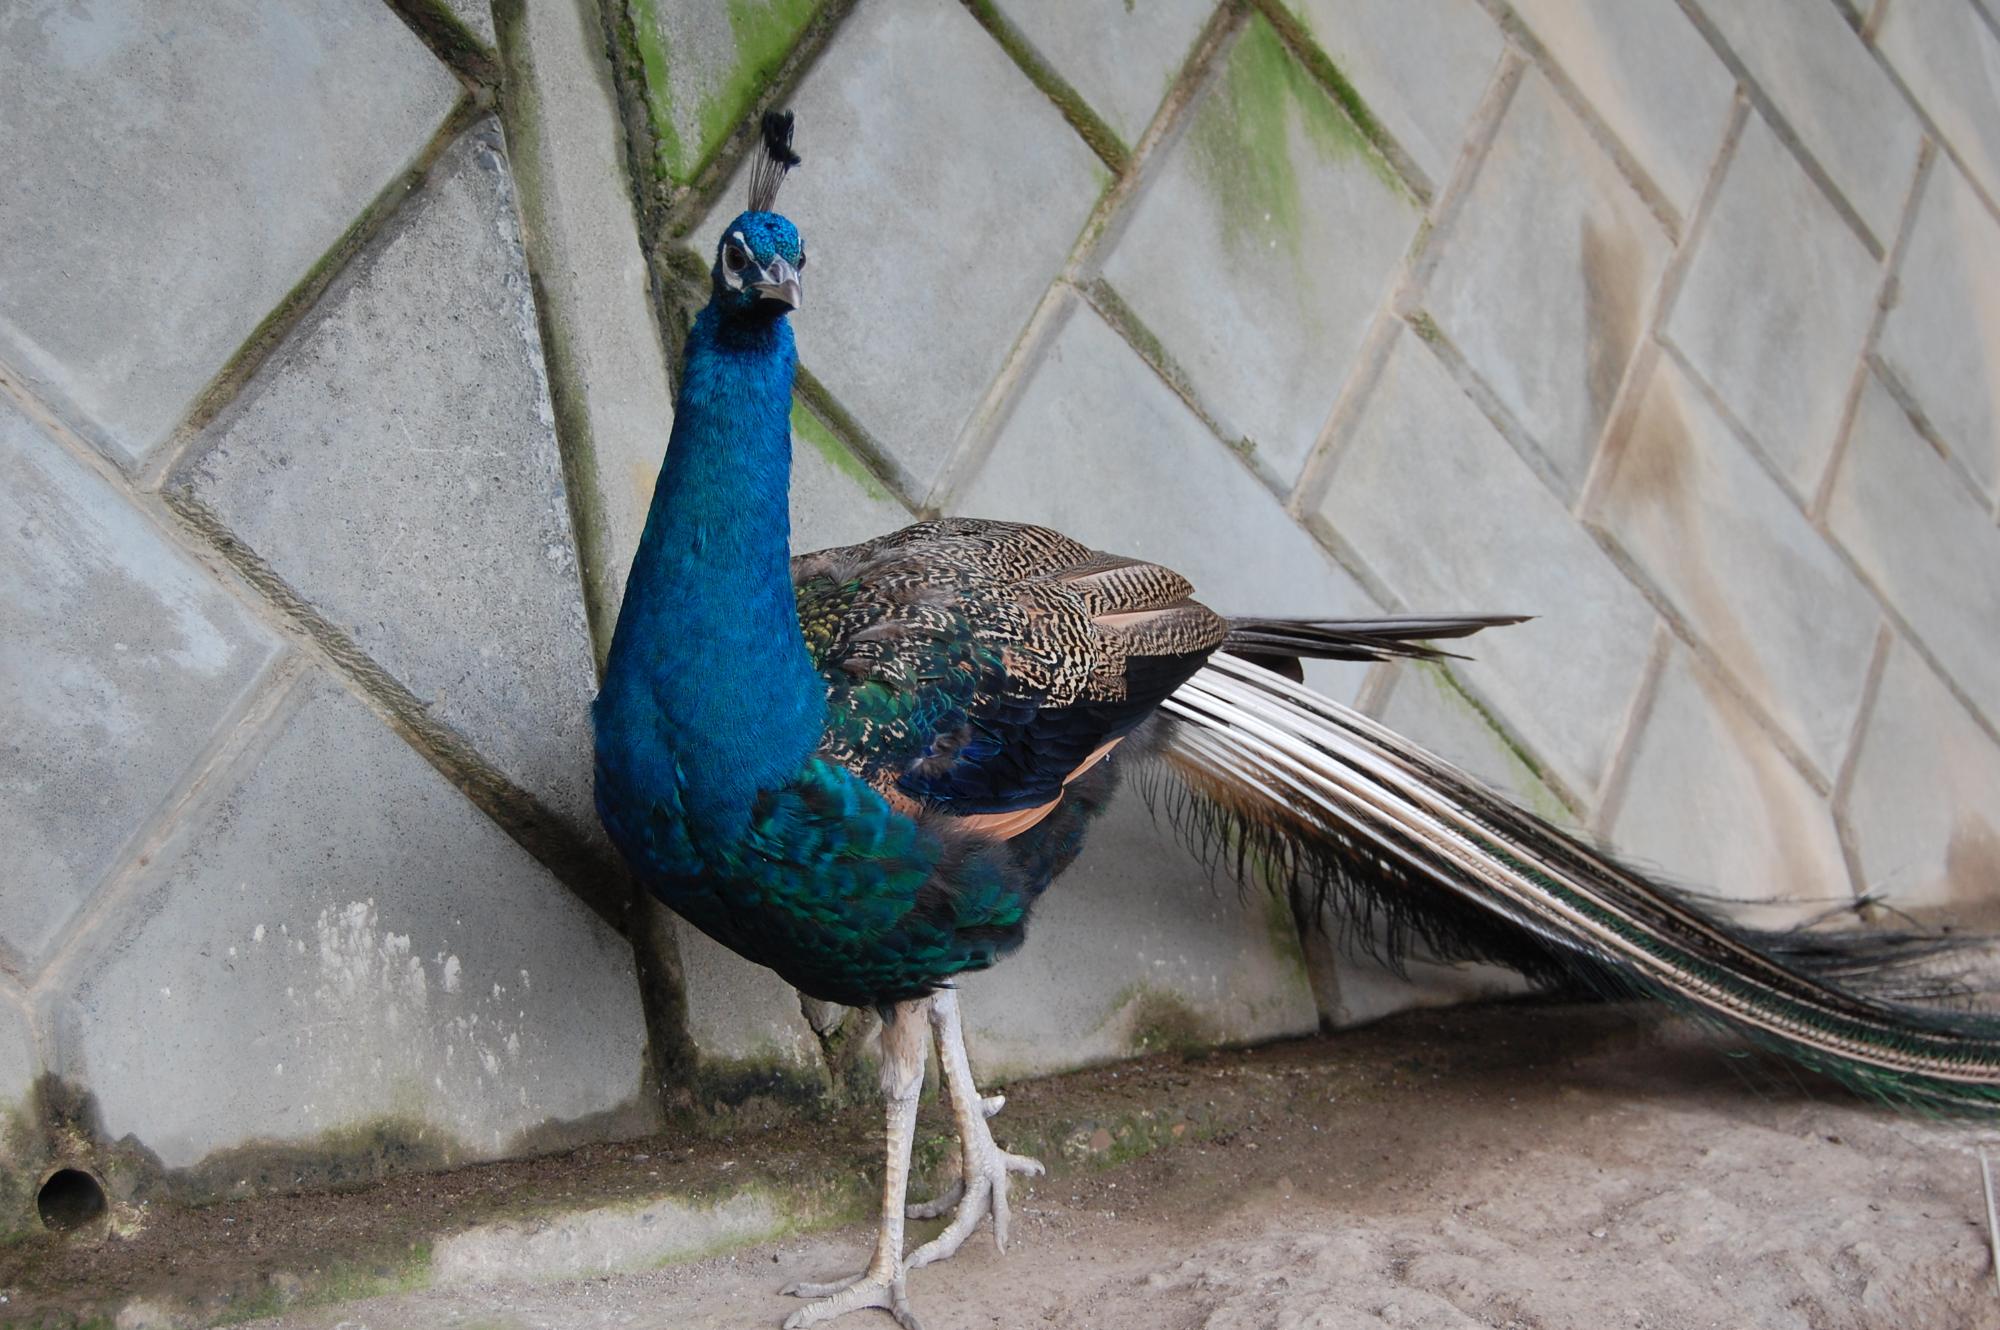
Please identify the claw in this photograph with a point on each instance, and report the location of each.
(890, 1295)
(985, 1194)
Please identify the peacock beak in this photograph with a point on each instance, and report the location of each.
(780, 282)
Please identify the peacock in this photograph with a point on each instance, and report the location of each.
(862, 766)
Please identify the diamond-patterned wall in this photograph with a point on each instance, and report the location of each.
(332, 387)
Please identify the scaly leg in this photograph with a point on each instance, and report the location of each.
(984, 1166)
(881, 1284)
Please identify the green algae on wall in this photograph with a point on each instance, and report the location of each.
(807, 426)
(1243, 141)
(700, 80)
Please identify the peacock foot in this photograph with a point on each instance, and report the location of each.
(852, 1295)
(942, 1203)
(983, 1166)
(982, 1193)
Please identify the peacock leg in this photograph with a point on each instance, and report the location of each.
(983, 1166)
(881, 1284)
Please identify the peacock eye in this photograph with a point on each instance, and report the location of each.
(733, 258)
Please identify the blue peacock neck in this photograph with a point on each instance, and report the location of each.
(708, 683)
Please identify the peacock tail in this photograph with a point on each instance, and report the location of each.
(1317, 800)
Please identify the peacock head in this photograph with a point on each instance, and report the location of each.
(760, 256)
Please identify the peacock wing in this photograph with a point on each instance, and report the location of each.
(976, 667)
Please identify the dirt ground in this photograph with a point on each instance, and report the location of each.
(1537, 1168)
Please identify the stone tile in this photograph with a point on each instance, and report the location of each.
(1421, 81)
(1742, 565)
(1711, 802)
(1649, 73)
(914, 300)
(835, 501)
(568, 154)
(1428, 707)
(1545, 283)
(1924, 809)
(705, 61)
(740, 1015)
(1261, 249)
(1927, 544)
(1447, 513)
(121, 657)
(215, 162)
(1843, 108)
(1153, 483)
(1775, 306)
(1949, 58)
(395, 462)
(1941, 339)
(1134, 950)
(1122, 58)
(341, 937)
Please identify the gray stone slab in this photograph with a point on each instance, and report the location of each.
(1120, 57)
(835, 501)
(1712, 802)
(936, 205)
(1647, 71)
(1924, 808)
(1261, 249)
(395, 462)
(1844, 109)
(1099, 448)
(705, 61)
(169, 180)
(1776, 304)
(740, 1015)
(1132, 951)
(1428, 707)
(1929, 546)
(339, 939)
(121, 659)
(1941, 339)
(1742, 565)
(1420, 80)
(1445, 512)
(1545, 283)
(1949, 58)
(568, 153)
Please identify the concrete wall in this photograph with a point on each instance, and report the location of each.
(334, 372)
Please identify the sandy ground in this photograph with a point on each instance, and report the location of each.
(1548, 1169)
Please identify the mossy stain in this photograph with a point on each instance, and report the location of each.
(695, 104)
(1243, 137)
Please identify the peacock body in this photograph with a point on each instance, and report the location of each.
(862, 767)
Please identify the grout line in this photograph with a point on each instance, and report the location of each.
(230, 750)
(667, 211)
(1101, 229)
(1924, 117)
(1622, 158)
(1315, 475)
(1843, 783)
(1347, 97)
(1886, 295)
(1480, 132)
(1379, 686)
(461, 49)
(1782, 127)
(1617, 780)
(1623, 416)
(1090, 127)
(1684, 628)
(298, 303)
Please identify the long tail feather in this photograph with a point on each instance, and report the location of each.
(1356, 639)
(1324, 801)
